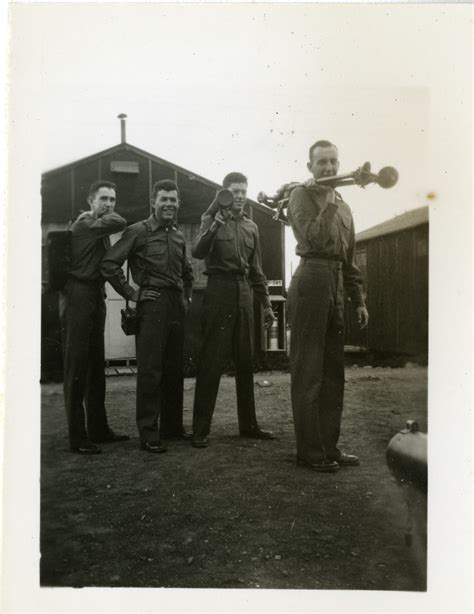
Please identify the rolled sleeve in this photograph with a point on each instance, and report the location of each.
(309, 223)
(111, 266)
(256, 276)
(108, 224)
(204, 240)
(187, 274)
(351, 273)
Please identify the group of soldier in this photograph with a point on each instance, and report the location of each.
(228, 242)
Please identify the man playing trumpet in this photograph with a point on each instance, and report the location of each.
(324, 230)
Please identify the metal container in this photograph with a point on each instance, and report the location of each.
(407, 456)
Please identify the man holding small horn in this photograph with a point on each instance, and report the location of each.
(324, 230)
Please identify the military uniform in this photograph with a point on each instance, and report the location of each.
(326, 244)
(157, 258)
(83, 322)
(233, 265)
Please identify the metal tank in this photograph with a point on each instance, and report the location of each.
(407, 456)
(407, 459)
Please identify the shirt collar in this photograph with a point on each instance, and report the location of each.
(154, 224)
(242, 216)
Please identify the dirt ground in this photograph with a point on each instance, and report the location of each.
(239, 514)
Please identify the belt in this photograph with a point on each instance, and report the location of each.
(162, 288)
(89, 282)
(228, 275)
(331, 263)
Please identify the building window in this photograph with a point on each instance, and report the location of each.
(123, 166)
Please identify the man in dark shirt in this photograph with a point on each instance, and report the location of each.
(229, 243)
(323, 227)
(83, 322)
(156, 253)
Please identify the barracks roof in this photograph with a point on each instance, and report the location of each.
(140, 152)
(410, 219)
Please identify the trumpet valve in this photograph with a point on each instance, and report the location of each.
(363, 176)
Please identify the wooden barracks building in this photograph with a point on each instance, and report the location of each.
(134, 171)
(393, 259)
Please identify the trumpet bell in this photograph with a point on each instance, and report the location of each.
(225, 198)
(262, 198)
(387, 177)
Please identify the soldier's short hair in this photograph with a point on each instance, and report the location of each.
(321, 143)
(95, 187)
(164, 184)
(234, 178)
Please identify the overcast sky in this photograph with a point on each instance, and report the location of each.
(215, 88)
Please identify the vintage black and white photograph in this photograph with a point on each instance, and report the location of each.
(243, 227)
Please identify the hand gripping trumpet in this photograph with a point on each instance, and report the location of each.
(387, 177)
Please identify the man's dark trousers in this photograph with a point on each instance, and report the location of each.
(227, 328)
(160, 374)
(83, 323)
(316, 315)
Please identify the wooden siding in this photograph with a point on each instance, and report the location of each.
(396, 282)
(57, 198)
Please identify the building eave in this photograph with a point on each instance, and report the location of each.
(395, 225)
(141, 152)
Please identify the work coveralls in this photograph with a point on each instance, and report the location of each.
(233, 265)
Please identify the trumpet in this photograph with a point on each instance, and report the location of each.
(387, 177)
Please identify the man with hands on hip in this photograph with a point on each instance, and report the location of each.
(156, 253)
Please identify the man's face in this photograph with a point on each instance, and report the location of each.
(239, 192)
(324, 162)
(103, 201)
(166, 206)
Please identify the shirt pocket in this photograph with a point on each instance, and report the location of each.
(176, 255)
(344, 223)
(249, 242)
(346, 219)
(224, 233)
(156, 248)
(248, 245)
(224, 246)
